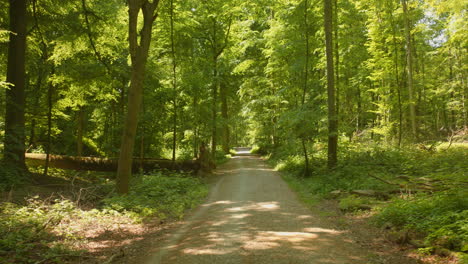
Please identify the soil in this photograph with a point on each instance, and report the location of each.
(251, 216)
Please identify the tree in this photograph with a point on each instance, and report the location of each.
(15, 95)
(139, 47)
(409, 67)
(174, 83)
(332, 118)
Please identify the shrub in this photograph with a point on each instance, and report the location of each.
(11, 176)
(26, 232)
(441, 218)
(160, 195)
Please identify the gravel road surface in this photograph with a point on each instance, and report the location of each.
(251, 216)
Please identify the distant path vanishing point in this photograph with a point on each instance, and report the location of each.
(251, 216)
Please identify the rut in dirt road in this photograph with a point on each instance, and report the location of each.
(252, 216)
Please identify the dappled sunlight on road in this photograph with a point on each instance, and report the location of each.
(251, 216)
(264, 206)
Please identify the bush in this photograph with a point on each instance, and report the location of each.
(11, 177)
(161, 196)
(221, 157)
(442, 218)
(27, 232)
(437, 216)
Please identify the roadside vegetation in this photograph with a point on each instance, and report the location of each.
(418, 193)
(66, 223)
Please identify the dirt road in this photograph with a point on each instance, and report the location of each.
(252, 216)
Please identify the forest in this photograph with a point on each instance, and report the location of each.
(117, 113)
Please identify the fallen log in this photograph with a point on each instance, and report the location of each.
(109, 164)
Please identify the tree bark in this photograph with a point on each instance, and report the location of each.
(397, 79)
(332, 119)
(409, 58)
(79, 132)
(174, 86)
(50, 91)
(224, 115)
(217, 51)
(139, 55)
(337, 59)
(214, 109)
(14, 145)
(306, 83)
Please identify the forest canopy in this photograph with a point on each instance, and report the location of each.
(174, 75)
(359, 101)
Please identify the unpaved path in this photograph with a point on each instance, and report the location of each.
(252, 216)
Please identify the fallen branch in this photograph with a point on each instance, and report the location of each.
(108, 164)
(385, 181)
(121, 253)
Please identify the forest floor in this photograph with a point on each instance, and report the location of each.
(252, 216)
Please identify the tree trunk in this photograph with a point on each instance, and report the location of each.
(224, 115)
(332, 119)
(217, 51)
(174, 86)
(214, 107)
(14, 148)
(397, 80)
(337, 60)
(37, 88)
(139, 55)
(409, 58)
(79, 132)
(49, 123)
(306, 84)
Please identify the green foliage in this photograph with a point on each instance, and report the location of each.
(27, 232)
(11, 177)
(221, 157)
(353, 203)
(441, 217)
(160, 194)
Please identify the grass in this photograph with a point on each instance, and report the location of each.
(428, 191)
(160, 195)
(57, 229)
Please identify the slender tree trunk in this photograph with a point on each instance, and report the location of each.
(224, 115)
(409, 58)
(306, 83)
(50, 92)
(196, 126)
(79, 132)
(214, 107)
(337, 60)
(359, 110)
(217, 51)
(142, 148)
(397, 80)
(174, 86)
(139, 55)
(32, 135)
(14, 145)
(332, 119)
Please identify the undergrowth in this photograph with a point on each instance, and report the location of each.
(427, 189)
(55, 230)
(160, 195)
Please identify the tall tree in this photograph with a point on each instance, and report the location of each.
(409, 67)
(332, 118)
(174, 84)
(15, 95)
(139, 47)
(217, 46)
